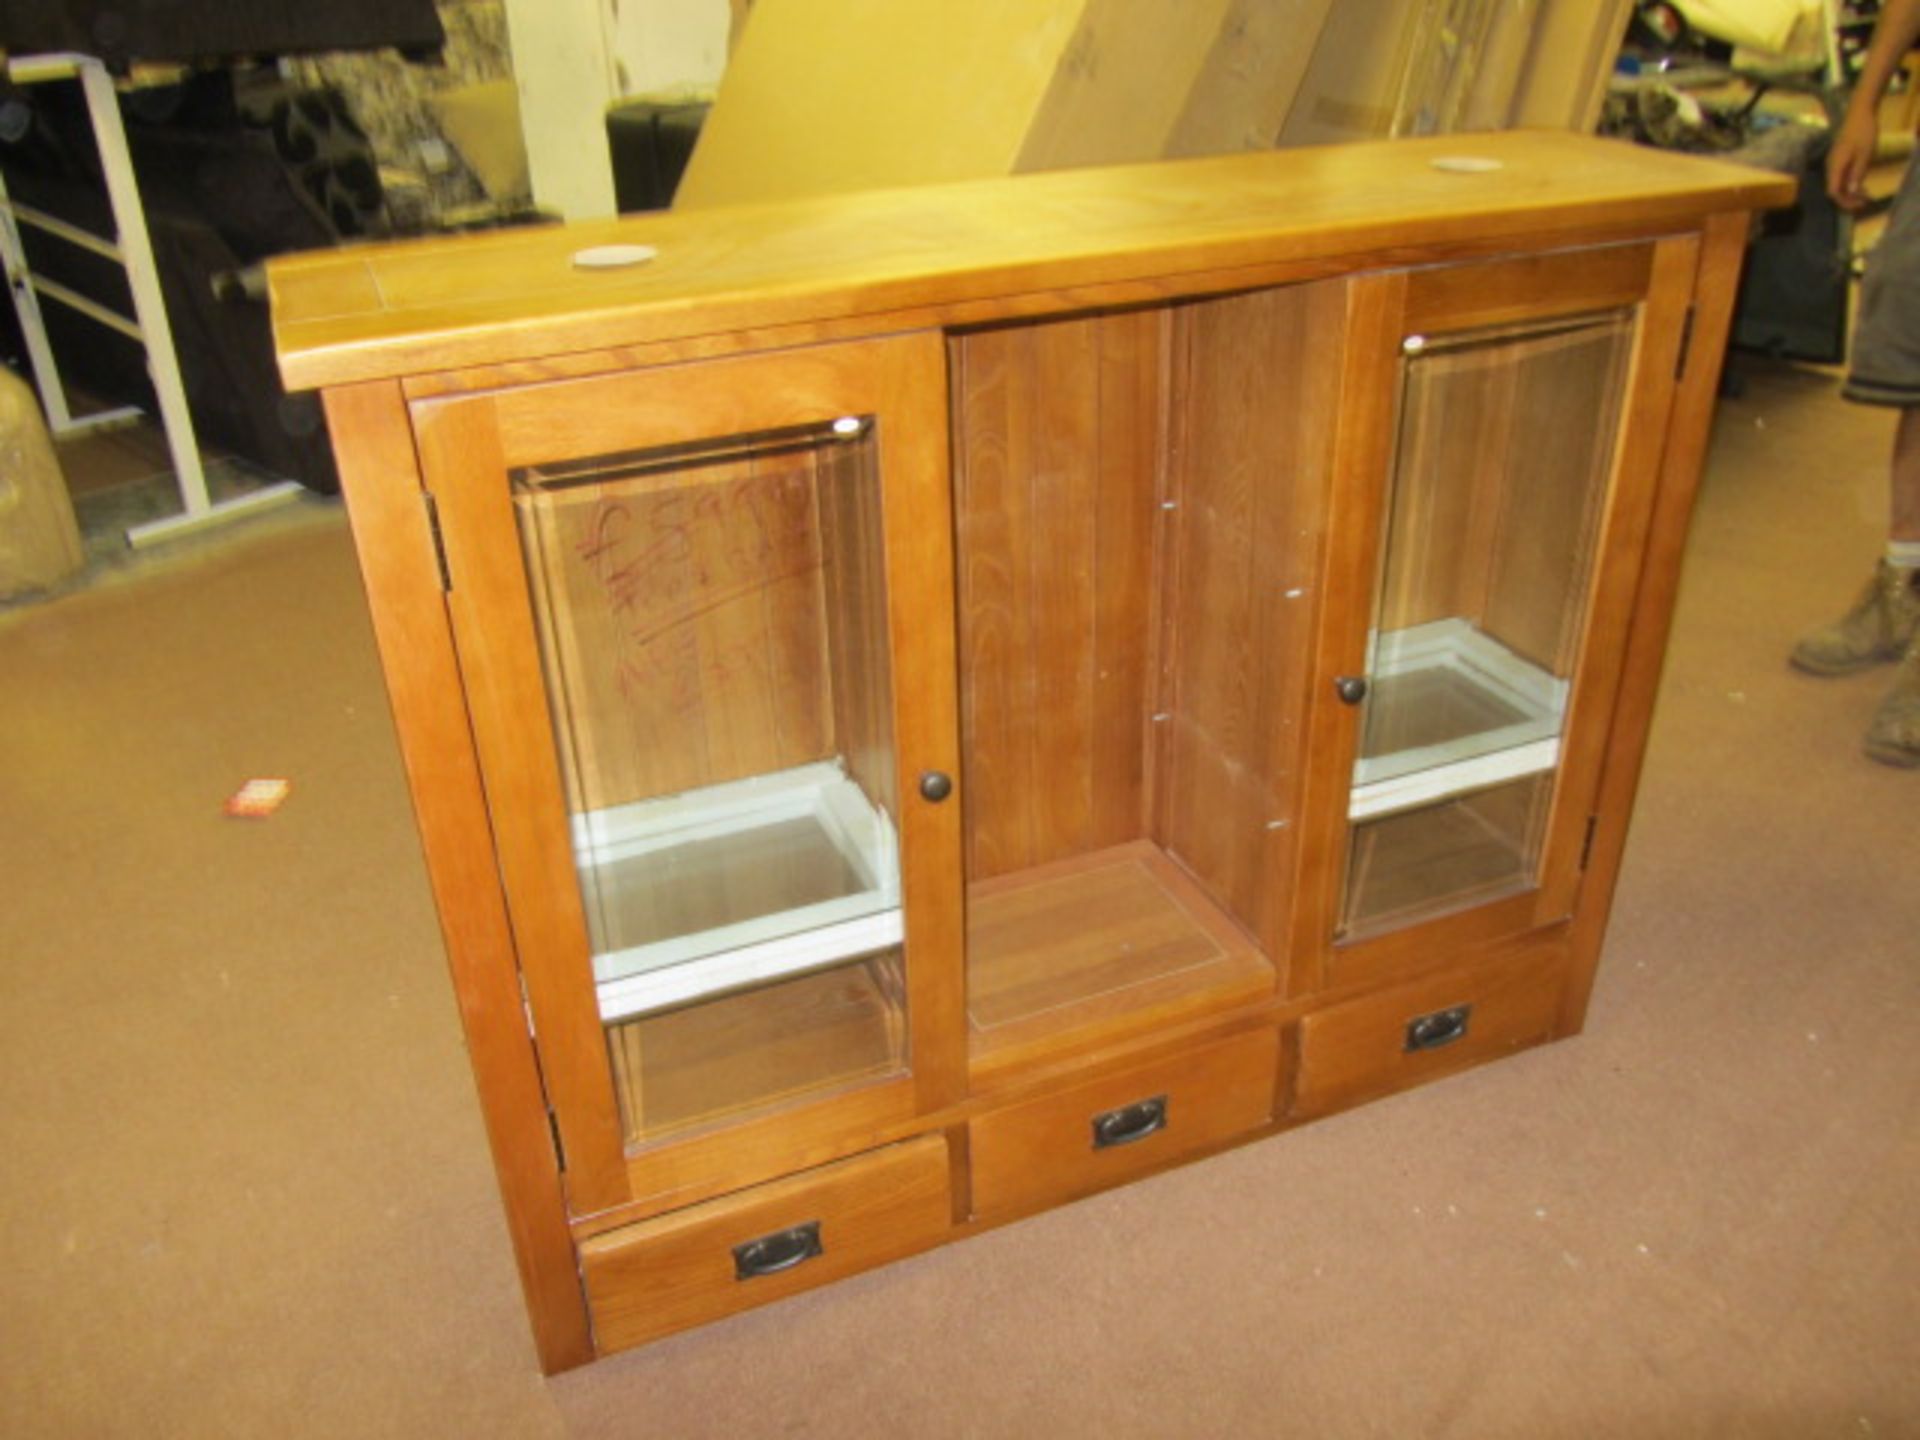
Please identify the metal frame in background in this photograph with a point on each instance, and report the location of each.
(132, 250)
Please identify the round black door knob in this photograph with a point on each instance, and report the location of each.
(935, 785)
(1351, 689)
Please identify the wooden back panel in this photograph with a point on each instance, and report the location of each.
(683, 625)
(1057, 437)
(1504, 454)
(1253, 445)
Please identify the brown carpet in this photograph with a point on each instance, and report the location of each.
(245, 1191)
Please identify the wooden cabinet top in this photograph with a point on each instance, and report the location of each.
(976, 251)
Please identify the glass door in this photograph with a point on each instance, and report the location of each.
(1494, 491)
(712, 631)
(684, 605)
(1506, 445)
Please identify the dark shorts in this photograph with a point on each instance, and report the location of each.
(1886, 336)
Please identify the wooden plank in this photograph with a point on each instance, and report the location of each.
(1068, 939)
(1122, 83)
(1489, 104)
(1094, 234)
(990, 524)
(1066, 473)
(382, 489)
(833, 95)
(1350, 89)
(1250, 78)
(1564, 82)
(1126, 513)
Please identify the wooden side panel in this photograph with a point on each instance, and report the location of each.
(1056, 439)
(382, 488)
(1250, 486)
(1685, 444)
(653, 1278)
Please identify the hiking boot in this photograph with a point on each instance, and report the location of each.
(1894, 736)
(1881, 625)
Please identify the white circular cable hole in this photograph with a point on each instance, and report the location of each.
(613, 257)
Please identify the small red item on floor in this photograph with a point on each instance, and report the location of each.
(258, 799)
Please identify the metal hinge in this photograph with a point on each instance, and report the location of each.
(1686, 344)
(1586, 845)
(439, 543)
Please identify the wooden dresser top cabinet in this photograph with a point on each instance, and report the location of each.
(922, 705)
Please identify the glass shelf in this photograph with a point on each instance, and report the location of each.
(1452, 710)
(704, 892)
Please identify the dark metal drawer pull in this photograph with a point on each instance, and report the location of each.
(1129, 1123)
(782, 1250)
(1442, 1027)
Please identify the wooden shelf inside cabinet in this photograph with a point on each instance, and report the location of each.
(1095, 949)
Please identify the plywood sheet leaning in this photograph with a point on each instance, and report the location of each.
(1126, 79)
(1353, 77)
(1247, 85)
(827, 96)
(1564, 82)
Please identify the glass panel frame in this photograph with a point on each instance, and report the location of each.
(1475, 637)
(712, 622)
(469, 445)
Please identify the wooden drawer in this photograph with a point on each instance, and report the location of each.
(1111, 1129)
(709, 1260)
(1418, 1032)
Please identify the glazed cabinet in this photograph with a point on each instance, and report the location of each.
(924, 706)
(704, 616)
(1477, 642)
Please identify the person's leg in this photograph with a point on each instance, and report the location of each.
(1894, 735)
(1885, 619)
(1905, 517)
